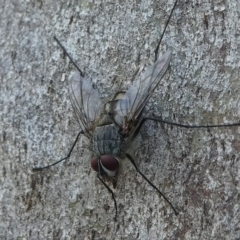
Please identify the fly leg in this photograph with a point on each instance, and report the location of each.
(65, 51)
(151, 184)
(107, 187)
(69, 154)
(157, 48)
(157, 119)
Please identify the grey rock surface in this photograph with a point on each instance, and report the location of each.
(198, 170)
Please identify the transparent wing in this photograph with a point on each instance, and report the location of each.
(132, 103)
(86, 102)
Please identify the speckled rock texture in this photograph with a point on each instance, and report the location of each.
(198, 170)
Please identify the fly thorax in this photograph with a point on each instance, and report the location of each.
(107, 140)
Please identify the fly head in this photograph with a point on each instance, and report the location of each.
(107, 167)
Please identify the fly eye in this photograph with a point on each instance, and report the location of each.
(94, 164)
(109, 165)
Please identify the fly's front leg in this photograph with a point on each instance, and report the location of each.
(106, 186)
(149, 182)
(69, 154)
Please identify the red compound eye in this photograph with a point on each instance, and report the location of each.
(109, 164)
(94, 164)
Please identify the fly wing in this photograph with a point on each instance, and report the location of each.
(132, 103)
(86, 102)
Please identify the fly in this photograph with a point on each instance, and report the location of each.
(111, 126)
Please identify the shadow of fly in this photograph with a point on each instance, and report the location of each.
(112, 126)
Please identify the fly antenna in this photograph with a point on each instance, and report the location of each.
(157, 48)
(65, 51)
